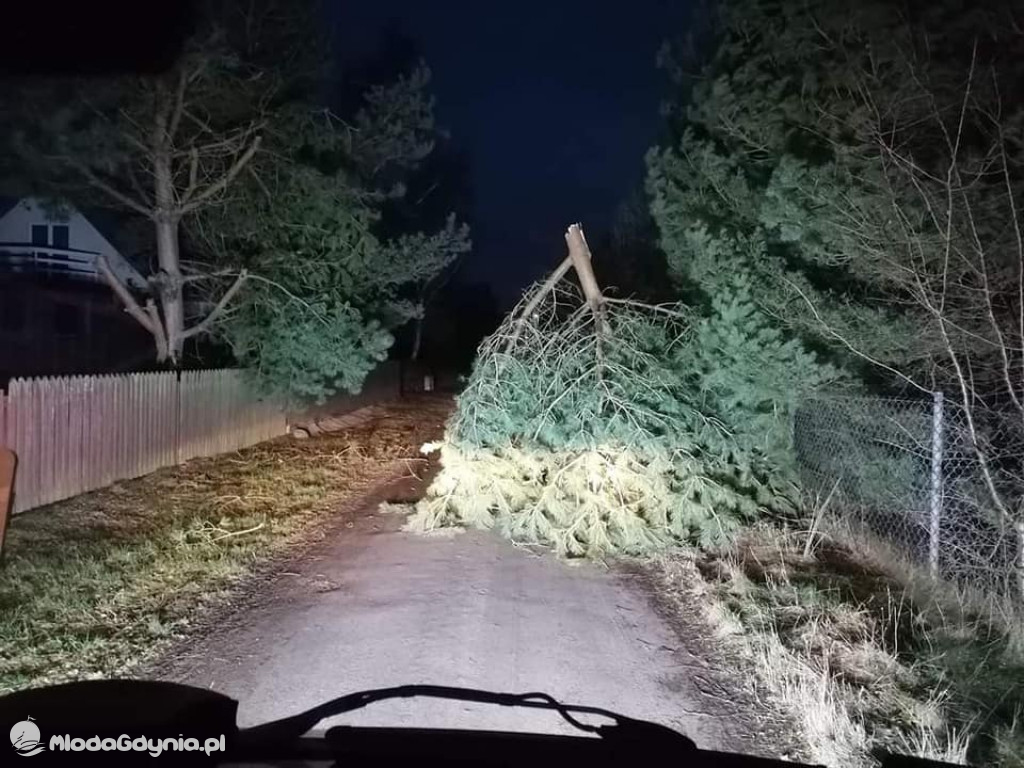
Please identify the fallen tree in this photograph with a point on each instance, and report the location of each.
(582, 427)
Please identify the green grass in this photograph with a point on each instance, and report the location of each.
(91, 586)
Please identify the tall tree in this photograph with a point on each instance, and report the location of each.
(862, 164)
(918, 198)
(436, 190)
(767, 166)
(707, 188)
(327, 287)
(424, 192)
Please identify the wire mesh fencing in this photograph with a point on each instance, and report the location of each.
(940, 484)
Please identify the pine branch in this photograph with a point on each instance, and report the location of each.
(538, 297)
(846, 342)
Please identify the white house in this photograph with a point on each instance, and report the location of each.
(36, 240)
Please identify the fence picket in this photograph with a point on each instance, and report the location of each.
(25, 444)
(101, 433)
(112, 429)
(143, 446)
(87, 469)
(60, 470)
(147, 431)
(185, 416)
(135, 465)
(96, 433)
(124, 397)
(136, 450)
(32, 434)
(60, 438)
(75, 434)
(165, 412)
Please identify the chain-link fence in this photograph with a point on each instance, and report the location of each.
(907, 471)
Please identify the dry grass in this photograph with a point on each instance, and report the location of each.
(865, 653)
(95, 584)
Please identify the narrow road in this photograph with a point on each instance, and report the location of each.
(372, 606)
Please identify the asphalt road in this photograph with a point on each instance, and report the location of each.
(372, 606)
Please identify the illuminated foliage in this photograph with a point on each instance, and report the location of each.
(598, 441)
(327, 287)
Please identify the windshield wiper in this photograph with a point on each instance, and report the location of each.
(294, 727)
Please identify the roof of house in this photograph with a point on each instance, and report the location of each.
(7, 203)
(108, 224)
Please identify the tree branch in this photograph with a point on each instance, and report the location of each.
(261, 184)
(198, 121)
(100, 184)
(538, 297)
(966, 395)
(663, 309)
(127, 136)
(131, 306)
(159, 336)
(229, 294)
(193, 176)
(846, 343)
(179, 105)
(291, 296)
(1019, 238)
(221, 184)
(137, 185)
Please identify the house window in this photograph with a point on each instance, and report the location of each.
(60, 235)
(40, 234)
(66, 319)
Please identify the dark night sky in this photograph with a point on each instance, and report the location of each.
(554, 100)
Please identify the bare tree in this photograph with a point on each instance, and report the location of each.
(932, 208)
(163, 147)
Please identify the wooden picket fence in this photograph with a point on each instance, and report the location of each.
(76, 434)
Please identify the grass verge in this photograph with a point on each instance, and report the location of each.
(862, 649)
(93, 585)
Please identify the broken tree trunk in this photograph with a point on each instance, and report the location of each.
(579, 252)
(578, 259)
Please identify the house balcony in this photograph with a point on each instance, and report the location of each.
(22, 258)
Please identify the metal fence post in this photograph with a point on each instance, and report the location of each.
(935, 506)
